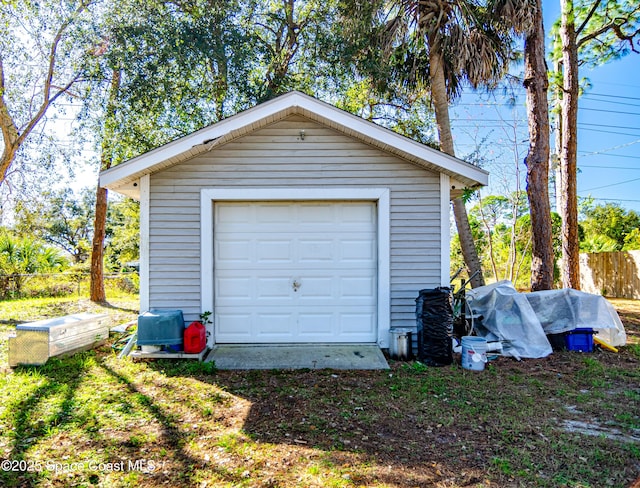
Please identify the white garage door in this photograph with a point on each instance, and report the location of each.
(292, 272)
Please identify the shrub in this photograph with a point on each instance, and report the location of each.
(21, 258)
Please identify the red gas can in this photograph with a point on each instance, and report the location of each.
(195, 338)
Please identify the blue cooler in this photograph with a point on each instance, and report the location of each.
(161, 328)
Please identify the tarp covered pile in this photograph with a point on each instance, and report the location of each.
(523, 320)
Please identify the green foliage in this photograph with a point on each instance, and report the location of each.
(403, 110)
(61, 218)
(608, 29)
(632, 240)
(501, 228)
(598, 243)
(502, 235)
(476, 45)
(122, 234)
(293, 46)
(20, 257)
(609, 227)
(65, 220)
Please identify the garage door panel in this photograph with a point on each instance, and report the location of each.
(356, 324)
(274, 213)
(235, 288)
(358, 251)
(315, 325)
(316, 250)
(316, 288)
(362, 215)
(326, 249)
(233, 215)
(274, 288)
(273, 324)
(315, 214)
(358, 287)
(234, 251)
(273, 251)
(233, 325)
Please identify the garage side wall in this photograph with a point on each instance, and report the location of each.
(278, 156)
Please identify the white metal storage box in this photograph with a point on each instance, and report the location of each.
(35, 342)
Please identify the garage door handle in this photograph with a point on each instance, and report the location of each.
(295, 285)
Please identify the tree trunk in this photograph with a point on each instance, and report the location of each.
(8, 155)
(537, 160)
(568, 150)
(441, 105)
(557, 167)
(97, 291)
(10, 133)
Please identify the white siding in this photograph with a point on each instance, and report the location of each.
(275, 156)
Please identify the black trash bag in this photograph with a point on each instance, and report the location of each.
(434, 315)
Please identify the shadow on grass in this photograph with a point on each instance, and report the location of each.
(418, 426)
(11, 322)
(57, 377)
(171, 432)
(410, 426)
(53, 411)
(354, 422)
(115, 307)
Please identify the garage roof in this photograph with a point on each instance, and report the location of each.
(121, 178)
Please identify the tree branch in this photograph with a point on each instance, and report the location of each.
(595, 6)
(595, 34)
(626, 37)
(48, 82)
(7, 124)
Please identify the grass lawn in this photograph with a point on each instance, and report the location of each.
(93, 420)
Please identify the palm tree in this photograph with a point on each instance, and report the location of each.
(443, 44)
(469, 41)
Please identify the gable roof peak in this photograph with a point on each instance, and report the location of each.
(293, 102)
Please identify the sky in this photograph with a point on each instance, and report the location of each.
(608, 131)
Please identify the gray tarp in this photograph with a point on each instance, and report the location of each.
(564, 310)
(524, 319)
(508, 316)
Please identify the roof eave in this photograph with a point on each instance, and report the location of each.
(294, 102)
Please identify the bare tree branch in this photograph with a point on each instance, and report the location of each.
(48, 82)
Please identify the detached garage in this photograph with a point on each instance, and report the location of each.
(293, 222)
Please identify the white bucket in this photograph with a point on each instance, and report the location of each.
(474, 353)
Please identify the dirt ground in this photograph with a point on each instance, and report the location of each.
(568, 420)
(518, 423)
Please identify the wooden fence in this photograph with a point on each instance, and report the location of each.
(612, 274)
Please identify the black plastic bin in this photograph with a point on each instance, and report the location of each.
(434, 316)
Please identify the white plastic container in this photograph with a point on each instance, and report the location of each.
(474, 353)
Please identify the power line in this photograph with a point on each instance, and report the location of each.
(609, 126)
(612, 184)
(610, 132)
(610, 96)
(618, 84)
(615, 199)
(609, 111)
(620, 146)
(626, 104)
(510, 123)
(611, 156)
(608, 167)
